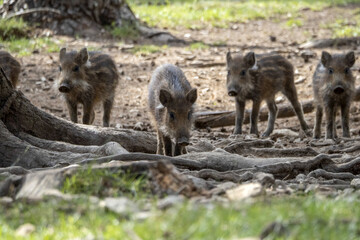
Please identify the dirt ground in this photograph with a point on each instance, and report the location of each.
(40, 71)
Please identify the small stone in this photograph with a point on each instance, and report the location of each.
(25, 230)
(279, 99)
(170, 201)
(307, 54)
(122, 206)
(139, 126)
(245, 191)
(355, 183)
(272, 38)
(284, 133)
(265, 179)
(300, 177)
(5, 200)
(301, 79)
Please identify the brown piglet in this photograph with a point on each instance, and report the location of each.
(171, 101)
(88, 78)
(249, 78)
(11, 67)
(334, 87)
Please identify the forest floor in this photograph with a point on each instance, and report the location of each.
(311, 214)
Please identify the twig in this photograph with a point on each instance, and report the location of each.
(33, 10)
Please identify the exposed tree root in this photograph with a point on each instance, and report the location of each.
(321, 173)
(222, 176)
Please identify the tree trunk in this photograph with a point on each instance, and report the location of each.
(81, 17)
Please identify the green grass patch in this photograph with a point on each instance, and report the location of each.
(219, 43)
(93, 48)
(306, 217)
(13, 29)
(293, 22)
(198, 46)
(128, 31)
(25, 47)
(147, 49)
(106, 183)
(343, 28)
(199, 14)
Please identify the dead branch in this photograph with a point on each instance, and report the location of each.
(333, 42)
(33, 10)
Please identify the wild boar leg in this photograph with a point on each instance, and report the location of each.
(272, 117)
(291, 94)
(345, 109)
(72, 106)
(329, 112)
(240, 109)
(167, 146)
(318, 120)
(88, 112)
(108, 103)
(334, 123)
(178, 150)
(254, 117)
(160, 143)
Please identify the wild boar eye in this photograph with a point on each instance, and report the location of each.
(347, 70)
(243, 73)
(331, 71)
(60, 69)
(76, 69)
(172, 115)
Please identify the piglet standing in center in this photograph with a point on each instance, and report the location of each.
(261, 79)
(171, 104)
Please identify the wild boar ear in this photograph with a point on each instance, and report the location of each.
(350, 59)
(82, 56)
(250, 59)
(228, 57)
(191, 96)
(165, 97)
(325, 58)
(62, 53)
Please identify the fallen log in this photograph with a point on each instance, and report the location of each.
(227, 118)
